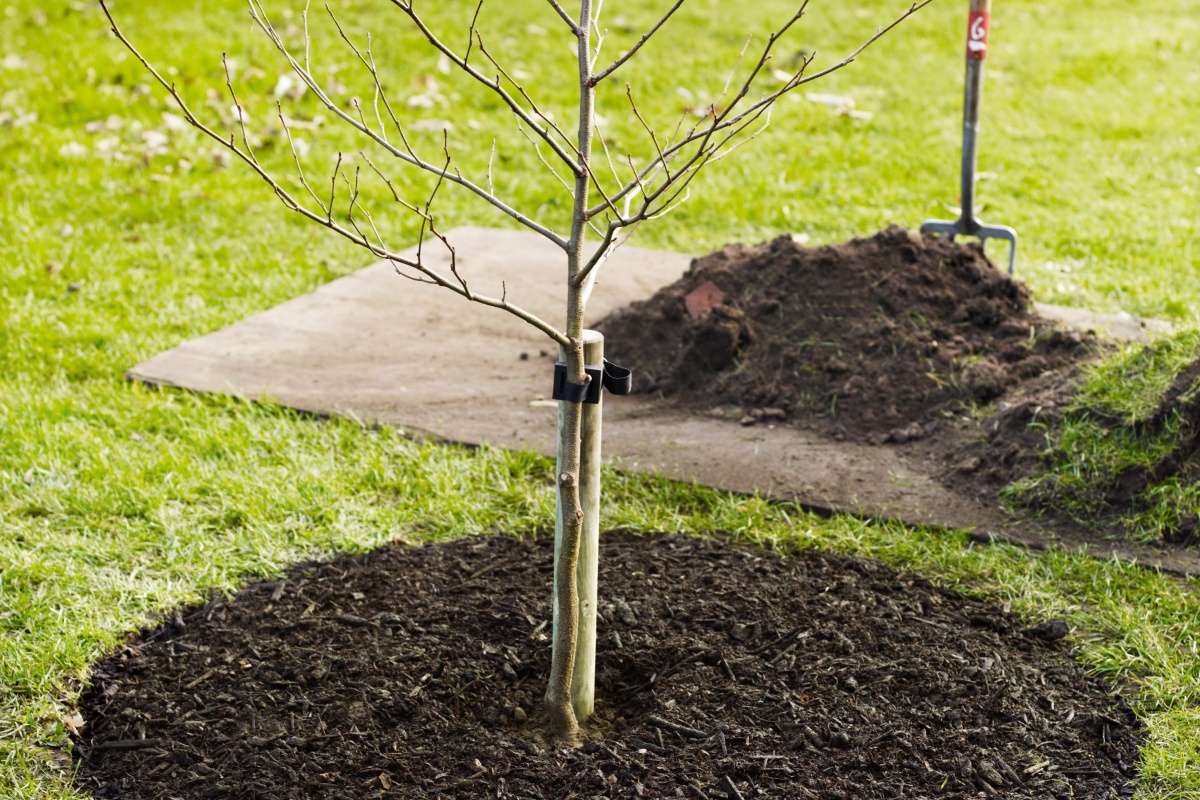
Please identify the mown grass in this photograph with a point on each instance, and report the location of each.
(1130, 385)
(123, 237)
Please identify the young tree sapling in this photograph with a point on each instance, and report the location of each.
(609, 201)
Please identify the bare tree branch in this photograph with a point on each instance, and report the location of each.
(237, 106)
(668, 196)
(471, 32)
(538, 151)
(307, 38)
(333, 187)
(491, 161)
(599, 34)
(562, 13)
(388, 182)
(631, 52)
(726, 118)
(494, 84)
(550, 124)
(612, 167)
(662, 159)
(721, 119)
(674, 188)
(581, 165)
(380, 94)
(287, 130)
(355, 203)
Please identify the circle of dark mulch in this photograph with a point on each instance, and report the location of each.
(723, 672)
(876, 339)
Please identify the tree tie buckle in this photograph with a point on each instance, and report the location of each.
(616, 379)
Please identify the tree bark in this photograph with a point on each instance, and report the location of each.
(583, 685)
(559, 713)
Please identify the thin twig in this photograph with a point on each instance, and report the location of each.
(369, 63)
(471, 32)
(550, 124)
(404, 155)
(491, 161)
(296, 157)
(599, 35)
(611, 68)
(492, 83)
(562, 13)
(661, 157)
(538, 151)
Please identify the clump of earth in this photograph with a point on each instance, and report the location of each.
(880, 339)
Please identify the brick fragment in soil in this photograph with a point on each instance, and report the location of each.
(722, 672)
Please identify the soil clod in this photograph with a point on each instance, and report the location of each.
(1051, 630)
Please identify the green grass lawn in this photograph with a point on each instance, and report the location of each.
(123, 236)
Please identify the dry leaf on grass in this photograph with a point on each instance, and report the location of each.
(74, 723)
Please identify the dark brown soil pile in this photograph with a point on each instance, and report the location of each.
(723, 673)
(873, 339)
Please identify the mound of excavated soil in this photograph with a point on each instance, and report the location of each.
(878, 338)
(722, 673)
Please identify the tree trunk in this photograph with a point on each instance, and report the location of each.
(583, 685)
(558, 711)
(560, 720)
(583, 548)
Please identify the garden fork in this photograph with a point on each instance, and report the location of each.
(968, 224)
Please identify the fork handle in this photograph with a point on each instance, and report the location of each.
(978, 25)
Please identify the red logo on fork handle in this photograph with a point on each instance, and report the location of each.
(977, 35)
